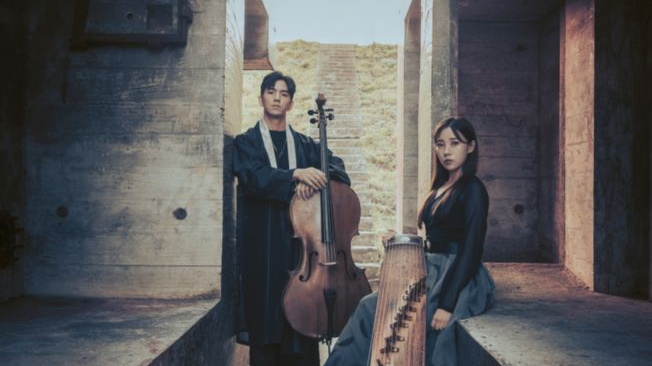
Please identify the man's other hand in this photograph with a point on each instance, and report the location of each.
(305, 191)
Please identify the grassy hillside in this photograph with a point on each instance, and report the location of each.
(376, 70)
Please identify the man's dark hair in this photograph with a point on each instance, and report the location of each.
(270, 80)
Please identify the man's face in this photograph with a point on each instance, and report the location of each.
(276, 101)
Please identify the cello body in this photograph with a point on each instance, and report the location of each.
(304, 300)
(325, 288)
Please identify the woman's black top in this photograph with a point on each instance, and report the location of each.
(463, 227)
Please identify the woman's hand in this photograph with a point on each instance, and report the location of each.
(440, 319)
(305, 191)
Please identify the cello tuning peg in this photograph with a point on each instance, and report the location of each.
(330, 117)
(311, 112)
(313, 120)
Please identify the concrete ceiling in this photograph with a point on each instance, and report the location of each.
(506, 10)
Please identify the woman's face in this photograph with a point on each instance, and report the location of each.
(451, 151)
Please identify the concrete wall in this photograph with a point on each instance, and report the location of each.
(550, 225)
(622, 160)
(648, 41)
(233, 354)
(498, 92)
(438, 79)
(12, 127)
(408, 123)
(578, 47)
(124, 155)
(232, 124)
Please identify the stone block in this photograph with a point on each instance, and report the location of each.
(124, 118)
(500, 124)
(513, 188)
(508, 167)
(122, 281)
(494, 146)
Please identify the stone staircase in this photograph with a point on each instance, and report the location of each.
(337, 80)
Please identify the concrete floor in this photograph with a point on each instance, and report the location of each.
(70, 332)
(544, 316)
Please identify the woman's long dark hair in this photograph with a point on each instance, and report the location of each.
(463, 131)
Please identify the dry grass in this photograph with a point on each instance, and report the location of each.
(376, 70)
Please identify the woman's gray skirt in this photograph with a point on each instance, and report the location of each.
(352, 347)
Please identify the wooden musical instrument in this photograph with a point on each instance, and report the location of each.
(325, 288)
(398, 337)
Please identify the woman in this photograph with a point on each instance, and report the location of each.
(455, 218)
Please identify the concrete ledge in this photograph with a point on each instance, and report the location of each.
(71, 332)
(544, 316)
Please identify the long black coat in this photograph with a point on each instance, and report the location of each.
(266, 251)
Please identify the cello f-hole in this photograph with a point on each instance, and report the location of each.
(304, 277)
(347, 271)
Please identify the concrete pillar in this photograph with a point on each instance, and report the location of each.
(408, 122)
(622, 160)
(550, 223)
(649, 116)
(577, 100)
(256, 36)
(438, 83)
(607, 157)
(233, 85)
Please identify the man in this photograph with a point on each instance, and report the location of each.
(272, 163)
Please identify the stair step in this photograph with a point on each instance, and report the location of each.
(347, 152)
(365, 254)
(341, 142)
(365, 239)
(358, 176)
(366, 223)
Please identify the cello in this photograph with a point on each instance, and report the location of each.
(326, 286)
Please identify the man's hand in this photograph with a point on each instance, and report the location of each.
(305, 191)
(310, 176)
(440, 319)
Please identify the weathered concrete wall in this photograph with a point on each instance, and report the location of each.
(256, 36)
(498, 93)
(233, 354)
(550, 226)
(12, 131)
(408, 123)
(622, 160)
(649, 116)
(125, 166)
(438, 82)
(578, 72)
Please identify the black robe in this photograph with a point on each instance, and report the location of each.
(466, 225)
(265, 248)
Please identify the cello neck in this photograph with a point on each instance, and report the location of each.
(326, 205)
(323, 146)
